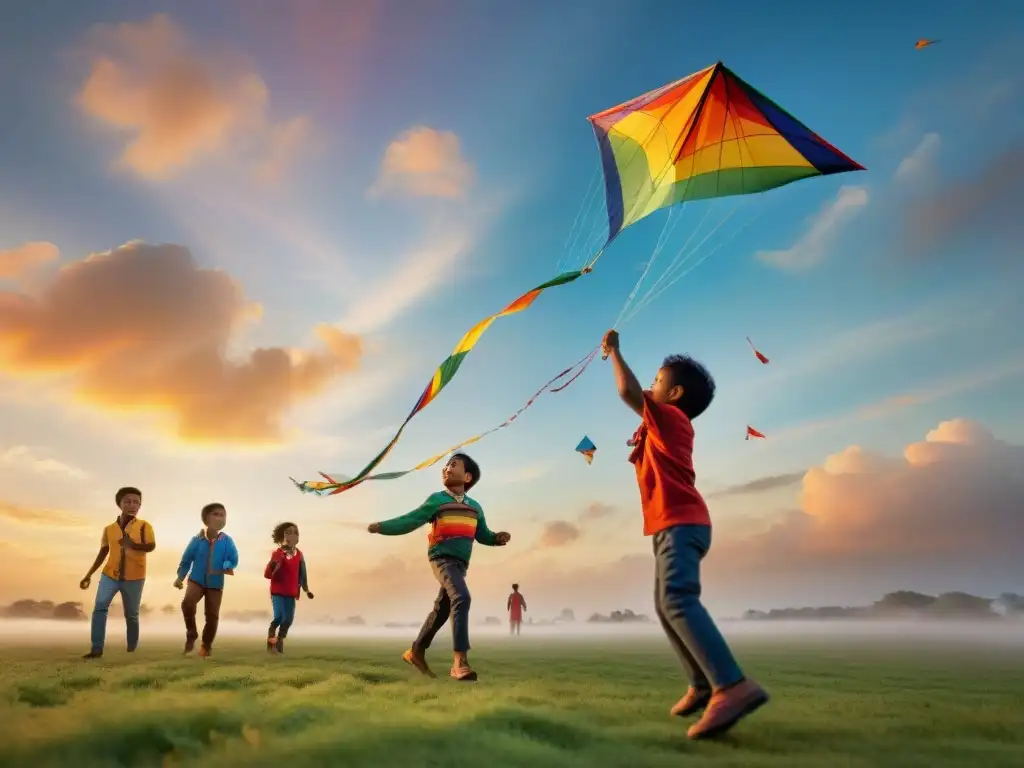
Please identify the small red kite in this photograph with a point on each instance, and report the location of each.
(762, 358)
(751, 432)
(922, 43)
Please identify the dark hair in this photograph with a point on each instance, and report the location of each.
(698, 386)
(279, 529)
(470, 466)
(209, 508)
(515, 586)
(127, 490)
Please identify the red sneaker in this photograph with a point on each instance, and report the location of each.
(727, 707)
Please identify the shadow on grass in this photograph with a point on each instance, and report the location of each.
(54, 693)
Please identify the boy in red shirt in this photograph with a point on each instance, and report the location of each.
(677, 518)
(287, 573)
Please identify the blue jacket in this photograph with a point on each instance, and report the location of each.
(204, 562)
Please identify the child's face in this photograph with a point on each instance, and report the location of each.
(291, 536)
(130, 504)
(663, 390)
(216, 519)
(454, 475)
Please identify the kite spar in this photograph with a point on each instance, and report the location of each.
(708, 135)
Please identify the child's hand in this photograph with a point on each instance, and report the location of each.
(84, 583)
(229, 571)
(610, 341)
(178, 584)
(503, 538)
(373, 527)
(309, 594)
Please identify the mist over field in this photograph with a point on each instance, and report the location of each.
(1008, 633)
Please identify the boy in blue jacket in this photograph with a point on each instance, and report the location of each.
(209, 557)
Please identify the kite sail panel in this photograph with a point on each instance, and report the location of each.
(708, 135)
(587, 448)
(751, 432)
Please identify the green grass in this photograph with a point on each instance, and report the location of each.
(537, 704)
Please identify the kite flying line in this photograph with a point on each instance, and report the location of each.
(705, 136)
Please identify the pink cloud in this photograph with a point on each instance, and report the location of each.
(424, 162)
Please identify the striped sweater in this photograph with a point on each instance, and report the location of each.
(454, 526)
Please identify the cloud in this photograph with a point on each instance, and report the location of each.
(38, 516)
(596, 510)
(420, 270)
(956, 384)
(990, 202)
(760, 485)
(24, 457)
(179, 105)
(919, 164)
(951, 498)
(558, 533)
(142, 327)
(424, 162)
(810, 249)
(19, 261)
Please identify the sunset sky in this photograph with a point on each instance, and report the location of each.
(237, 239)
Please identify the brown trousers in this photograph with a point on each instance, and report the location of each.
(211, 609)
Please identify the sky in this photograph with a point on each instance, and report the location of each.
(236, 239)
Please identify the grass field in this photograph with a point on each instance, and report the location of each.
(538, 703)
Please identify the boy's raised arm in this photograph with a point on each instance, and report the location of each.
(409, 522)
(630, 391)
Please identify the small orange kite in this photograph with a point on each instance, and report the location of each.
(751, 432)
(923, 43)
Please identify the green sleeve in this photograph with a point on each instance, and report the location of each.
(410, 521)
(484, 535)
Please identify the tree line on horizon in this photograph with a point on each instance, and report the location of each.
(908, 604)
(899, 604)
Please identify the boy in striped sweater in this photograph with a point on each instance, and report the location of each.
(456, 521)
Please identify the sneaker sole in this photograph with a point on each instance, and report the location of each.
(747, 709)
(470, 678)
(692, 710)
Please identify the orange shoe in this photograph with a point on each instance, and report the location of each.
(204, 652)
(727, 707)
(693, 702)
(417, 660)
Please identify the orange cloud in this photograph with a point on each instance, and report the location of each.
(17, 262)
(179, 105)
(558, 533)
(38, 516)
(143, 327)
(423, 162)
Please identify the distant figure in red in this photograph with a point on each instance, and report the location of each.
(516, 606)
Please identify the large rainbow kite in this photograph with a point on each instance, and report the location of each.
(708, 135)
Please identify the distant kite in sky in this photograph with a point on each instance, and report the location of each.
(751, 432)
(923, 43)
(587, 448)
(759, 356)
(707, 135)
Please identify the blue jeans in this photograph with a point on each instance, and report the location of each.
(131, 599)
(284, 614)
(452, 601)
(704, 654)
